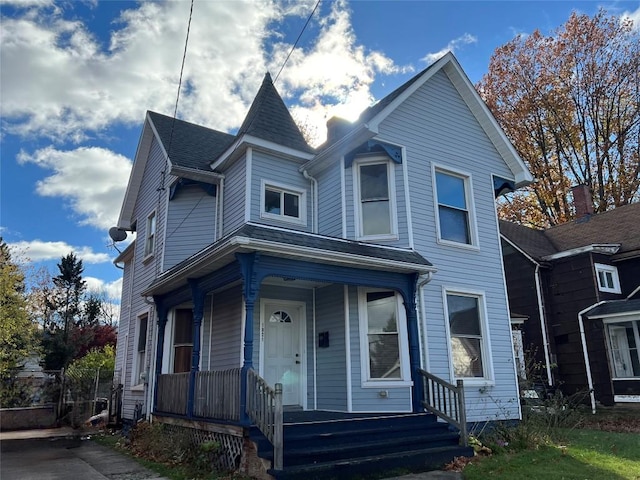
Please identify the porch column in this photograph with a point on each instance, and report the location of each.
(251, 287)
(198, 312)
(414, 346)
(163, 314)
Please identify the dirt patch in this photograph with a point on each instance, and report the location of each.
(614, 419)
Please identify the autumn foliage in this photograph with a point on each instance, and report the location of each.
(570, 104)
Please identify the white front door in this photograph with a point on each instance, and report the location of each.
(282, 348)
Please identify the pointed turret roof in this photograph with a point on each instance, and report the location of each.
(269, 119)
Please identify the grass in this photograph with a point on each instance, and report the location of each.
(581, 455)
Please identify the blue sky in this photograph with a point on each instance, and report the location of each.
(78, 76)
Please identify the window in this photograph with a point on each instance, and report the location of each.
(141, 349)
(607, 278)
(150, 242)
(374, 180)
(624, 340)
(466, 335)
(452, 193)
(283, 203)
(182, 340)
(383, 327)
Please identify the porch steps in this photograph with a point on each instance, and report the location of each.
(350, 447)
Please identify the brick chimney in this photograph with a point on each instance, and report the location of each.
(336, 128)
(582, 200)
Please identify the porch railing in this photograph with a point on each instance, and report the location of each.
(264, 407)
(446, 401)
(172, 393)
(217, 394)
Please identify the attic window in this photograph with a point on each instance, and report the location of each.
(283, 203)
(608, 280)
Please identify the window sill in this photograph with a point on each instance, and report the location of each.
(377, 238)
(137, 388)
(387, 384)
(476, 382)
(465, 246)
(283, 219)
(147, 259)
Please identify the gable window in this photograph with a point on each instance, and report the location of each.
(383, 326)
(608, 280)
(454, 217)
(150, 239)
(283, 203)
(376, 205)
(141, 350)
(469, 355)
(182, 340)
(624, 343)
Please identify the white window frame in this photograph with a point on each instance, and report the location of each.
(487, 361)
(138, 367)
(282, 188)
(602, 268)
(357, 201)
(470, 206)
(635, 320)
(401, 317)
(150, 235)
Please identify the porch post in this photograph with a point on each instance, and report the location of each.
(198, 312)
(414, 345)
(163, 314)
(248, 263)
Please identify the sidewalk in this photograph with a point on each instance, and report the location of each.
(61, 453)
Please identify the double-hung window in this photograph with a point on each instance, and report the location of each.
(283, 203)
(141, 349)
(454, 211)
(608, 280)
(469, 355)
(182, 340)
(150, 235)
(376, 205)
(383, 325)
(624, 349)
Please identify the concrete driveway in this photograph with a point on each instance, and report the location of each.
(61, 455)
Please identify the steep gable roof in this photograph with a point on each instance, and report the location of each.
(192, 146)
(269, 119)
(620, 226)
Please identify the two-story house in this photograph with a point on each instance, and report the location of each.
(359, 284)
(577, 285)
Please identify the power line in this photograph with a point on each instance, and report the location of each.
(296, 42)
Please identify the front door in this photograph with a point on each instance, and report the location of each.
(282, 348)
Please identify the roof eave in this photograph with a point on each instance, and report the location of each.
(353, 139)
(603, 248)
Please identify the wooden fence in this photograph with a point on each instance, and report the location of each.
(217, 394)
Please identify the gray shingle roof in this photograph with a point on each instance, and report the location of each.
(269, 119)
(618, 226)
(614, 307)
(192, 145)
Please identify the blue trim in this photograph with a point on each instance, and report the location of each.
(502, 186)
(394, 152)
(185, 182)
(198, 313)
(163, 314)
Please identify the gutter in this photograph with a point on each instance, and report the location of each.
(585, 353)
(543, 324)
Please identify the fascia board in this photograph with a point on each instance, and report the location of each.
(604, 248)
(525, 254)
(126, 254)
(195, 174)
(353, 139)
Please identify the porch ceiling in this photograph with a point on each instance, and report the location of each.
(288, 244)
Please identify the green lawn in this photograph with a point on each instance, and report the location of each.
(582, 455)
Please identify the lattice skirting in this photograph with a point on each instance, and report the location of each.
(199, 433)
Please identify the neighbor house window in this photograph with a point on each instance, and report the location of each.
(141, 349)
(454, 217)
(466, 332)
(283, 203)
(182, 340)
(374, 180)
(383, 334)
(607, 278)
(150, 240)
(624, 341)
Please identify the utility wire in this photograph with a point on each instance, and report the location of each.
(297, 40)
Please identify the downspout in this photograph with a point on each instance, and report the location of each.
(543, 324)
(422, 281)
(586, 354)
(314, 201)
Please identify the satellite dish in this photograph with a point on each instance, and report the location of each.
(117, 234)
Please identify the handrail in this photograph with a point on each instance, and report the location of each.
(264, 407)
(446, 401)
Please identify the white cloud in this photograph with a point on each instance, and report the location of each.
(634, 16)
(452, 46)
(59, 81)
(37, 251)
(112, 290)
(92, 180)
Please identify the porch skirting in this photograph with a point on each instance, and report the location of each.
(239, 453)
